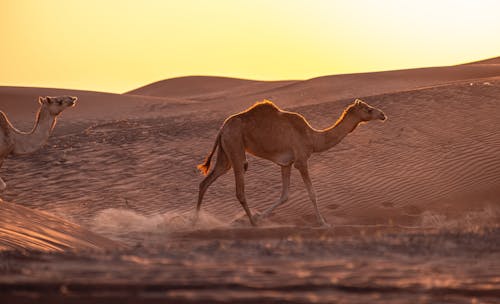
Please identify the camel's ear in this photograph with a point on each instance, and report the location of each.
(42, 100)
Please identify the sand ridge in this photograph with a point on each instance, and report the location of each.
(26, 229)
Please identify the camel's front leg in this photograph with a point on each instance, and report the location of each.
(285, 178)
(304, 172)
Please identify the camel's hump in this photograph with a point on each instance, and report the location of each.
(263, 105)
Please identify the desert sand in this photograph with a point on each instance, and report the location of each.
(103, 212)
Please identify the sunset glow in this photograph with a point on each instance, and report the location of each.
(117, 46)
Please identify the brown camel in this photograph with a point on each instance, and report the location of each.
(282, 137)
(13, 141)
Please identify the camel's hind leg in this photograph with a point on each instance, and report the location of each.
(235, 150)
(222, 165)
(240, 191)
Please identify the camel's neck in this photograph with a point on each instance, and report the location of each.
(327, 138)
(25, 143)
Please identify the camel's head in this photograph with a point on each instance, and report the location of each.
(366, 112)
(57, 104)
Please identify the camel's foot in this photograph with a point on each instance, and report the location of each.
(257, 216)
(242, 220)
(3, 186)
(325, 225)
(194, 219)
(322, 223)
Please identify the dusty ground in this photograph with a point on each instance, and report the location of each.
(414, 202)
(320, 267)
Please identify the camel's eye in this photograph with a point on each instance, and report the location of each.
(60, 102)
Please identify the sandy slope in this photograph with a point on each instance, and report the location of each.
(206, 87)
(20, 104)
(495, 60)
(27, 229)
(236, 93)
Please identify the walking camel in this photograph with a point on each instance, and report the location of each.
(13, 141)
(283, 137)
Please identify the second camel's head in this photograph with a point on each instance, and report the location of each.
(365, 112)
(57, 104)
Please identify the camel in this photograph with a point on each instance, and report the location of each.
(15, 142)
(283, 137)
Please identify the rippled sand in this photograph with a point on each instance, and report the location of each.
(103, 213)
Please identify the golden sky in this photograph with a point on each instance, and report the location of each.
(118, 45)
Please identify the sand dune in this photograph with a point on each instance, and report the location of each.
(435, 161)
(27, 229)
(20, 104)
(495, 60)
(236, 93)
(409, 199)
(184, 95)
(204, 87)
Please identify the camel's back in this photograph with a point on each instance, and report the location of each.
(267, 129)
(261, 110)
(267, 116)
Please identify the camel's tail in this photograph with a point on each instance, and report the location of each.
(206, 164)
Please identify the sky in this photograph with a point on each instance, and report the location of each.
(119, 45)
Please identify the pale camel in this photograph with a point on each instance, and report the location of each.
(13, 141)
(282, 137)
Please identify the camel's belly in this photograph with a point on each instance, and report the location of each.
(280, 158)
(266, 143)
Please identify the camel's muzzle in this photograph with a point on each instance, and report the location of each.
(72, 102)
